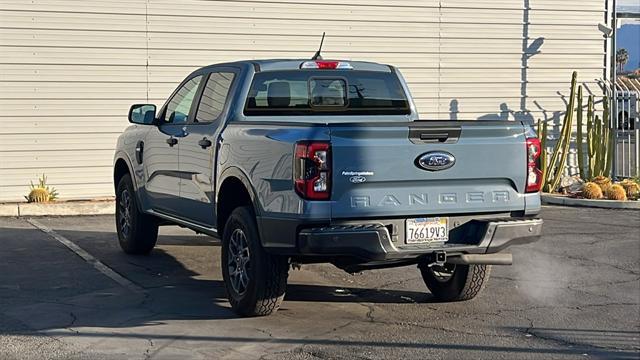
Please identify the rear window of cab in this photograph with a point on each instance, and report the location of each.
(326, 92)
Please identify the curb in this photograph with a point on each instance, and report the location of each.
(549, 199)
(66, 208)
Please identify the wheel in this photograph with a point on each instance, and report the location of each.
(255, 280)
(137, 232)
(451, 282)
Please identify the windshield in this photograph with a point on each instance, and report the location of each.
(326, 92)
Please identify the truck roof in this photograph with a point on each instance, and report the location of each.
(294, 64)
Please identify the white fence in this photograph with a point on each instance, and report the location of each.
(627, 124)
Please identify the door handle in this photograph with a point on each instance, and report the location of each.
(204, 143)
(172, 141)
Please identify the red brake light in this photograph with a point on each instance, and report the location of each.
(312, 170)
(326, 65)
(534, 174)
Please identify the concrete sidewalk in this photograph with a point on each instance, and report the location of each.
(59, 208)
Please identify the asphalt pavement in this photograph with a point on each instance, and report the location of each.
(573, 295)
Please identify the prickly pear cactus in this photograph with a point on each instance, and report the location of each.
(591, 191)
(616, 192)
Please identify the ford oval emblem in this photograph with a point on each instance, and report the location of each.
(436, 160)
(357, 179)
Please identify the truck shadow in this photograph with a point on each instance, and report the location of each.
(66, 297)
(185, 286)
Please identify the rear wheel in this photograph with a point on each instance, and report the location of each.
(450, 282)
(137, 232)
(255, 280)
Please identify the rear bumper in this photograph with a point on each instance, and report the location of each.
(375, 242)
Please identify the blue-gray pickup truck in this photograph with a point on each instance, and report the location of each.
(316, 161)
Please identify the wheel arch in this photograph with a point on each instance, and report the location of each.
(120, 169)
(235, 190)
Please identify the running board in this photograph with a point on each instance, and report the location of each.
(481, 259)
(211, 231)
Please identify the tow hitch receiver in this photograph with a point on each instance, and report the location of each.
(436, 258)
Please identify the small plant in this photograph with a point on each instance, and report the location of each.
(603, 182)
(42, 192)
(616, 192)
(632, 188)
(591, 191)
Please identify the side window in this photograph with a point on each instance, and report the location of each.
(214, 96)
(178, 108)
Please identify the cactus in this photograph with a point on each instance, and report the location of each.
(590, 137)
(555, 167)
(38, 195)
(603, 182)
(581, 168)
(598, 157)
(41, 192)
(591, 191)
(600, 140)
(616, 192)
(631, 187)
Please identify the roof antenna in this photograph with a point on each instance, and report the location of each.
(317, 56)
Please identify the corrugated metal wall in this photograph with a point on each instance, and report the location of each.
(70, 69)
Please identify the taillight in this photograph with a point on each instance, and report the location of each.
(534, 174)
(312, 170)
(326, 64)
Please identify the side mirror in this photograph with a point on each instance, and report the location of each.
(144, 114)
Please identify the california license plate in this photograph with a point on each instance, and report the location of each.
(426, 230)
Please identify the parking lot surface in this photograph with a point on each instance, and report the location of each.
(574, 295)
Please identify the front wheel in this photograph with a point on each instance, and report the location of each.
(137, 232)
(450, 282)
(255, 280)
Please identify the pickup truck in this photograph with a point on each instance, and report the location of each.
(316, 161)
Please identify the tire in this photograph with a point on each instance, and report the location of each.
(137, 232)
(255, 280)
(460, 283)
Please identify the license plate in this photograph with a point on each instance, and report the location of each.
(426, 230)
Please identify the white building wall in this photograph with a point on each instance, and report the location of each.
(69, 70)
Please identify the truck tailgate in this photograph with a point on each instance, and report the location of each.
(377, 174)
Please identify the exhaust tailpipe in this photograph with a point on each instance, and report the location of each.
(481, 259)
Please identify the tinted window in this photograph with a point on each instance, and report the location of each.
(340, 92)
(214, 96)
(180, 104)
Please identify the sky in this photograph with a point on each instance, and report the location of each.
(628, 34)
(629, 3)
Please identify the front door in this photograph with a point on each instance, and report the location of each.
(198, 149)
(162, 148)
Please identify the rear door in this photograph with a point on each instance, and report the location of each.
(198, 148)
(377, 170)
(162, 148)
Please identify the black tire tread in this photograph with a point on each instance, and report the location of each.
(465, 284)
(271, 281)
(475, 282)
(144, 228)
